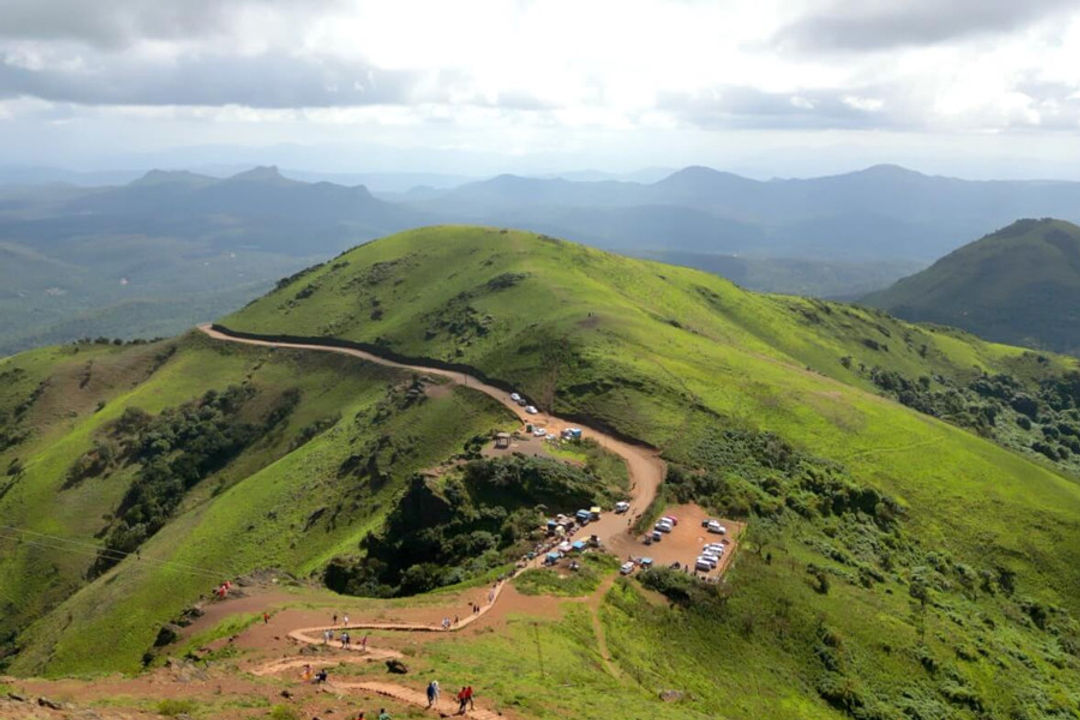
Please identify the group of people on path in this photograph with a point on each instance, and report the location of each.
(222, 590)
(464, 697)
(345, 638)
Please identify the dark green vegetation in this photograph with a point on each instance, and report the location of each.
(449, 528)
(209, 460)
(896, 565)
(1019, 285)
(1031, 411)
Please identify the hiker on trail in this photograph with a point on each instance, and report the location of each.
(432, 692)
(463, 700)
(457, 619)
(320, 677)
(335, 618)
(468, 696)
(344, 640)
(383, 715)
(327, 636)
(266, 618)
(363, 643)
(307, 673)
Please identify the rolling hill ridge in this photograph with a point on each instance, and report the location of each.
(1019, 285)
(910, 492)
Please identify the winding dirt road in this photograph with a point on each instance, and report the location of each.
(645, 468)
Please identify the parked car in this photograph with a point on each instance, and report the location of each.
(715, 547)
(702, 565)
(706, 521)
(522, 401)
(663, 526)
(583, 516)
(671, 519)
(594, 511)
(531, 409)
(646, 562)
(515, 397)
(656, 536)
(622, 506)
(715, 527)
(539, 432)
(710, 561)
(626, 568)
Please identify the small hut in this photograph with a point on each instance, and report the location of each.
(502, 440)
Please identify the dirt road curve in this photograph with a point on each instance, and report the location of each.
(645, 467)
(646, 472)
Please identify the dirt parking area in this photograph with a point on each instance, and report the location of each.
(684, 543)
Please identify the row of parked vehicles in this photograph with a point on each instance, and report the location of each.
(517, 398)
(710, 557)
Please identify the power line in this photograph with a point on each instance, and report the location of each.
(104, 551)
(85, 548)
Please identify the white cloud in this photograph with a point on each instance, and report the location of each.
(510, 72)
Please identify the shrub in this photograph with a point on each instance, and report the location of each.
(283, 712)
(171, 707)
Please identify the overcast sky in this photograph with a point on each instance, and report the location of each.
(972, 88)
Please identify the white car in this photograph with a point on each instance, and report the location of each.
(702, 565)
(626, 568)
(531, 409)
(622, 506)
(515, 397)
(715, 527)
(539, 432)
(714, 547)
(710, 561)
(663, 527)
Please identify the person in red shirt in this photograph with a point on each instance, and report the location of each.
(463, 700)
(468, 696)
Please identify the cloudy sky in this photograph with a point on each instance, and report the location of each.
(972, 88)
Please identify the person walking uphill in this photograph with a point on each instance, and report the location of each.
(468, 696)
(432, 693)
(463, 700)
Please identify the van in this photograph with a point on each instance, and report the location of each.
(702, 565)
(715, 527)
(626, 568)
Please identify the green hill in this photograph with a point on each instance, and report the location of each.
(914, 515)
(1019, 285)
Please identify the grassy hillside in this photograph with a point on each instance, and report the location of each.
(905, 566)
(280, 496)
(1019, 285)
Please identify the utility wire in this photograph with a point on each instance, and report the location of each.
(85, 548)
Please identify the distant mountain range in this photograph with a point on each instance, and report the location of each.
(1019, 285)
(182, 247)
